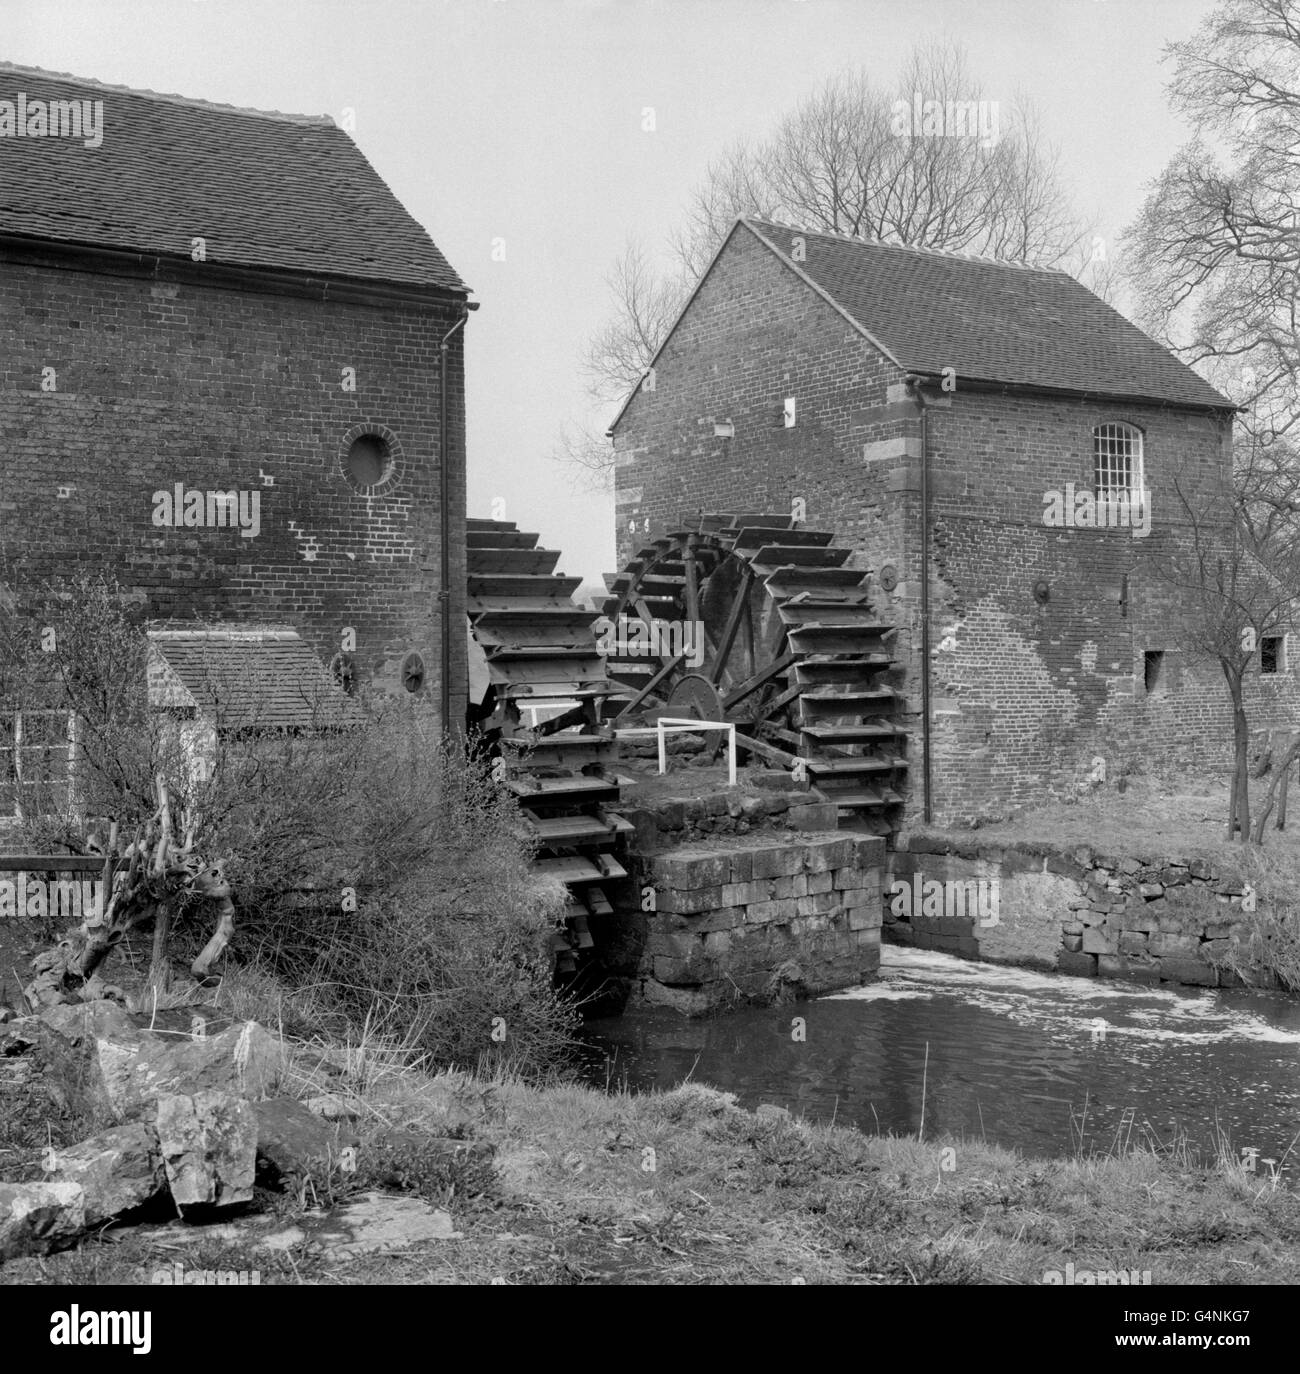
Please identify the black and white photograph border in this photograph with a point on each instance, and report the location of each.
(648, 642)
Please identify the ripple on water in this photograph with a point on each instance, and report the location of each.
(1014, 1056)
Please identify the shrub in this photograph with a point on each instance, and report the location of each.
(386, 872)
(379, 873)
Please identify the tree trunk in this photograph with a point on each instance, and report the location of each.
(1239, 803)
(158, 875)
(221, 937)
(1279, 781)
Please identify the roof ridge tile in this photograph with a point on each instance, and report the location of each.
(1020, 263)
(193, 102)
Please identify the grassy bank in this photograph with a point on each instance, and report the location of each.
(1176, 816)
(686, 1188)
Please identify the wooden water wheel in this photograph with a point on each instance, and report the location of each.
(783, 643)
(543, 682)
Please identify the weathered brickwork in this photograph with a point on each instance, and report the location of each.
(753, 336)
(159, 380)
(1027, 692)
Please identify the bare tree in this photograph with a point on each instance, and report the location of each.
(646, 305)
(1235, 567)
(82, 659)
(1215, 250)
(849, 160)
(584, 453)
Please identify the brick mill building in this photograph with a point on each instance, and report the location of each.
(835, 377)
(231, 377)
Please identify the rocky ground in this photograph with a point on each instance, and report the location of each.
(188, 1147)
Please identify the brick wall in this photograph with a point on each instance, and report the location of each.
(1027, 693)
(754, 336)
(157, 381)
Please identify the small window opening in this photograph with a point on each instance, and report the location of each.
(413, 672)
(344, 672)
(368, 460)
(1154, 670)
(1272, 654)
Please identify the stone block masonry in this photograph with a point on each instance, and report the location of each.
(1143, 919)
(761, 922)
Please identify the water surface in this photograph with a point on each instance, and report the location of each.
(1036, 1061)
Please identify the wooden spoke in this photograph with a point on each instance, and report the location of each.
(752, 684)
(692, 580)
(764, 750)
(670, 667)
(729, 632)
(769, 708)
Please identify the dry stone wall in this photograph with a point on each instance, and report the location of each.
(1078, 912)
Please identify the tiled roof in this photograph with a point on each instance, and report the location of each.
(290, 192)
(990, 321)
(248, 677)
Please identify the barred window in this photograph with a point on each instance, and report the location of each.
(1117, 458)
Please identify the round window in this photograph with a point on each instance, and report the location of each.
(368, 460)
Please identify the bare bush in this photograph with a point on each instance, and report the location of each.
(386, 871)
(376, 868)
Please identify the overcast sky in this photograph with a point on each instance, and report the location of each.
(522, 120)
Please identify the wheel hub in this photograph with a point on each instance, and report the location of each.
(694, 697)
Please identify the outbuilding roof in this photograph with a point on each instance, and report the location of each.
(247, 678)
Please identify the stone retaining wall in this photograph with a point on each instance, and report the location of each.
(760, 922)
(1084, 913)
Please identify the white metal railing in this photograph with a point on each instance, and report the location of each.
(545, 710)
(676, 726)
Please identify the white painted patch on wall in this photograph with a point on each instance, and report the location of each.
(310, 544)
